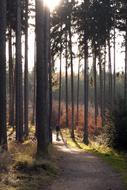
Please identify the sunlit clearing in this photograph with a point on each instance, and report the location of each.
(52, 3)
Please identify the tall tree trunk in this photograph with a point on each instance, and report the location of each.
(11, 82)
(19, 88)
(3, 131)
(77, 114)
(42, 123)
(110, 75)
(26, 72)
(125, 79)
(34, 87)
(104, 92)
(50, 98)
(114, 74)
(72, 80)
(101, 84)
(95, 86)
(14, 81)
(48, 58)
(86, 83)
(86, 79)
(60, 79)
(66, 82)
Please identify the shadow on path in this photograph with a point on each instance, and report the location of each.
(83, 171)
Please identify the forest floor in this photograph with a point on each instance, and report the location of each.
(84, 171)
(69, 165)
(21, 169)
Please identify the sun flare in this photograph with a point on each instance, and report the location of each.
(52, 3)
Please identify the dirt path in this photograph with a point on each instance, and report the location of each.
(84, 171)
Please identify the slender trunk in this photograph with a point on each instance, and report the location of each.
(86, 79)
(125, 80)
(110, 75)
(95, 86)
(19, 94)
(101, 85)
(26, 72)
(114, 81)
(104, 92)
(66, 78)
(50, 98)
(11, 82)
(3, 131)
(48, 58)
(86, 83)
(60, 79)
(77, 115)
(72, 82)
(34, 88)
(14, 81)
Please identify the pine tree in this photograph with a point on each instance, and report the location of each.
(18, 77)
(3, 131)
(42, 124)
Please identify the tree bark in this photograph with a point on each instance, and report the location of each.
(86, 79)
(114, 79)
(60, 79)
(3, 131)
(104, 96)
(77, 114)
(125, 79)
(110, 75)
(66, 82)
(72, 80)
(101, 85)
(18, 77)
(42, 123)
(34, 87)
(95, 86)
(26, 95)
(11, 82)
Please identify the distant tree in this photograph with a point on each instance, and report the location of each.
(60, 78)
(78, 81)
(95, 84)
(66, 78)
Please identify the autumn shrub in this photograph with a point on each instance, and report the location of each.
(79, 127)
(116, 126)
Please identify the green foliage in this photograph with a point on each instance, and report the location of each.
(117, 126)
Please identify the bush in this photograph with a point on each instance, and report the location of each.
(116, 129)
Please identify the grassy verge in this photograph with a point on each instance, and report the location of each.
(117, 160)
(21, 170)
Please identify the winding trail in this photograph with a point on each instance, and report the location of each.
(83, 171)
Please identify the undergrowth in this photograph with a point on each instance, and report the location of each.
(20, 169)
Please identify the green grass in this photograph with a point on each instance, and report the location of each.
(117, 160)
